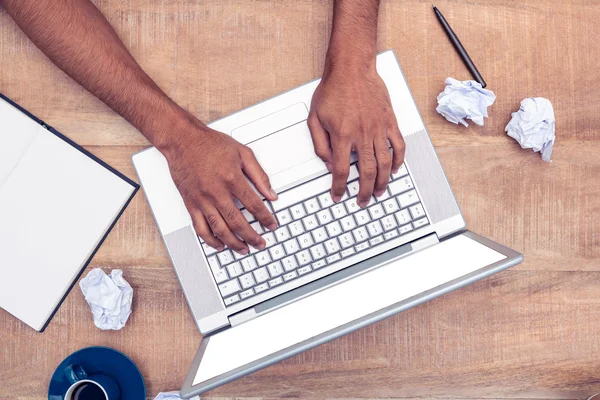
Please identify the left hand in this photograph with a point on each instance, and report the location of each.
(352, 111)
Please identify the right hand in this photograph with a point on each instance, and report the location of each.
(210, 169)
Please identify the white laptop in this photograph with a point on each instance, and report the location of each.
(57, 204)
(329, 268)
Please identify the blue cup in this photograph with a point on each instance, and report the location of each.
(89, 387)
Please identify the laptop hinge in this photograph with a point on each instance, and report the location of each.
(242, 316)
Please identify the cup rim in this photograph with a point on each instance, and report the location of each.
(72, 388)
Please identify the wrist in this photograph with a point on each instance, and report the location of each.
(348, 61)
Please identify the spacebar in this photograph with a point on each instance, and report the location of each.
(308, 190)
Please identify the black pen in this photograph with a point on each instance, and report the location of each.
(459, 47)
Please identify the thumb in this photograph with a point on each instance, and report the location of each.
(256, 174)
(320, 140)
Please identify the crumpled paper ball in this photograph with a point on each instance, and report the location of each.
(463, 100)
(534, 126)
(109, 298)
(168, 396)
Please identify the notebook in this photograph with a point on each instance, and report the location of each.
(58, 203)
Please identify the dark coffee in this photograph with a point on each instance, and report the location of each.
(88, 391)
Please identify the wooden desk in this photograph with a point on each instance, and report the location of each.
(530, 332)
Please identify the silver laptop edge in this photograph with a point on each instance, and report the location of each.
(512, 258)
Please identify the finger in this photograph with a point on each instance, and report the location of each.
(238, 224)
(244, 193)
(384, 164)
(341, 168)
(221, 229)
(398, 146)
(367, 168)
(203, 230)
(320, 140)
(257, 175)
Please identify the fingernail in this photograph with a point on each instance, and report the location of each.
(329, 167)
(379, 193)
(272, 226)
(336, 198)
(260, 246)
(244, 252)
(273, 194)
(362, 204)
(395, 171)
(220, 248)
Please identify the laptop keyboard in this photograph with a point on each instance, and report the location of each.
(315, 233)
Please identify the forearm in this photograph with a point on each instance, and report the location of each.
(80, 41)
(353, 42)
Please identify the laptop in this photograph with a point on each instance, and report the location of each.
(58, 203)
(329, 268)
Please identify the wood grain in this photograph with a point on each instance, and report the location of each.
(531, 332)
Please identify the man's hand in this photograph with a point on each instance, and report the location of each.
(210, 170)
(352, 112)
(351, 108)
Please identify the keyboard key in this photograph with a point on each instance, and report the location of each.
(389, 222)
(317, 251)
(417, 211)
(420, 223)
(238, 256)
(291, 246)
(348, 223)
(249, 217)
(311, 205)
(269, 238)
(284, 217)
(334, 228)
(319, 235)
(249, 263)
(376, 240)
(401, 172)
(405, 228)
(257, 227)
(213, 263)
(275, 269)
(304, 270)
(376, 211)
(310, 222)
(303, 257)
(229, 287)
(353, 188)
(289, 263)
(290, 275)
(276, 281)
(339, 211)
(208, 250)
(325, 200)
(360, 234)
(346, 240)
(375, 228)
(362, 217)
(361, 247)
(235, 269)
(306, 240)
(401, 185)
(318, 264)
(333, 258)
(225, 257)
(324, 217)
(221, 276)
(351, 205)
(348, 252)
(298, 211)
(408, 198)
(384, 196)
(277, 252)
(246, 293)
(282, 234)
(261, 275)
(263, 258)
(296, 228)
(391, 234)
(247, 280)
(403, 217)
(391, 206)
(261, 288)
(230, 300)
(332, 246)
